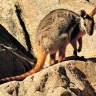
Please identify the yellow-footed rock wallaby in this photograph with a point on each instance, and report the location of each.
(55, 31)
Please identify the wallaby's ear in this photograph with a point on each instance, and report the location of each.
(93, 12)
(83, 14)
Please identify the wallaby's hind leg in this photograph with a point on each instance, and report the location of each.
(61, 55)
(62, 51)
(52, 59)
(79, 38)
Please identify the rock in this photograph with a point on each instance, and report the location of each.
(21, 18)
(79, 79)
(59, 91)
(12, 64)
(14, 58)
(92, 2)
(10, 21)
(61, 79)
(8, 40)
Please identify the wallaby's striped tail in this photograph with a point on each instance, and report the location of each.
(38, 67)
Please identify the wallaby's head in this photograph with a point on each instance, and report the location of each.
(88, 20)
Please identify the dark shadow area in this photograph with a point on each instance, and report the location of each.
(80, 74)
(75, 58)
(62, 71)
(88, 0)
(27, 37)
(88, 90)
(12, 63)
(93, 59)
(8, 40)
(14, 58)
(76, 91)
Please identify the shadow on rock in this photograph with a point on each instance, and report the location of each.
(82, 58)
(93, 59)
(14, 58)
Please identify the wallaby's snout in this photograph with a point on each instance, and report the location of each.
(89, 24)
(88, 21)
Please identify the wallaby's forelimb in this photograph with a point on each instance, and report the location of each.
(80, 44)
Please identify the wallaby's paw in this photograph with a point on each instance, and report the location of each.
(52, 62)
(79, 49)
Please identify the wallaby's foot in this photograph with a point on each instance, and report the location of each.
(52, 61)
(61, 59)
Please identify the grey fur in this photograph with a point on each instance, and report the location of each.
(54, 28)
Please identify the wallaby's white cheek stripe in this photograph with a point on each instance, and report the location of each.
(82, 25)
